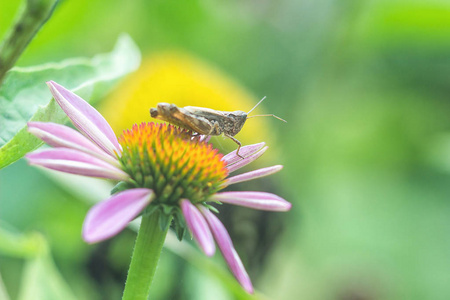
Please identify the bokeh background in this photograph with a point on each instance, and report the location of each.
(365, 88)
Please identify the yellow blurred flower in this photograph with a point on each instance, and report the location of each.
(178, 78)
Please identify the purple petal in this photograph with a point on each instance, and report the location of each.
(205, 138)
(243, 162)
(253, 174)
(226, 247)
(86, 118)
(111, 216)
(57, 135)
(245, 151)
(75, 162)
(198, 226)
(256, 200)
(201, 137)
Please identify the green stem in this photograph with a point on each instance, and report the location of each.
(147, 250)
(32, 15)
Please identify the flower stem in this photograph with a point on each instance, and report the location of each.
(147, 250)
(32, 15)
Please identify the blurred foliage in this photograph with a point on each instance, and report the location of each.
(40, 279)
(364, 86)
(24, 96)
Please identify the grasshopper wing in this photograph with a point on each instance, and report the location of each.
(191, 121)
(165, 112)
(207, 113)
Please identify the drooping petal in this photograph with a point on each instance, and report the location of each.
(253, 174)
(226, 247)
(109, 217)
(198, 226)
(256, 200)
(243, 162)
(245, 151)
(86, 118)
(75, 162)
(58, 135)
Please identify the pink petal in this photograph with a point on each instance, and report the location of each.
(198, 226)
(86, 118)
(75, 162)
(111, 216)
(201, 138)
(253, 174)
(243, 162)
(57, 135)
(226, 247)
(256, 200)
(205, 138)
(245, 151)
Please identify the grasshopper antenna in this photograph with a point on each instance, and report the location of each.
(268, 115)
(256, 105)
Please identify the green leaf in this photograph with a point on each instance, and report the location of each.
(3, 292)
(15, 244)
(24, 96)
(41, 280)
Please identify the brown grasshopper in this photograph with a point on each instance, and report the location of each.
(206, 121)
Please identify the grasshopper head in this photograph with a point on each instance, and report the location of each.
(237, 120)
(154, 112)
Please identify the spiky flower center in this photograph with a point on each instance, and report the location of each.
(171, 162)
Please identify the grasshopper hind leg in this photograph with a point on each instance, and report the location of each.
(237, 142)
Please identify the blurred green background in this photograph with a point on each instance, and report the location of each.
(365, 87)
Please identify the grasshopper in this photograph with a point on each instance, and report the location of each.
(206, 121)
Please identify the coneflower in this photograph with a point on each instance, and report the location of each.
(164, 173)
